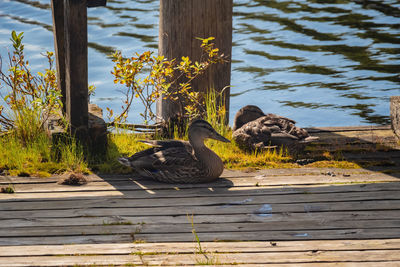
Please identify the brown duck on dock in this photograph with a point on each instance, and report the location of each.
(252, 130)
(175, 161)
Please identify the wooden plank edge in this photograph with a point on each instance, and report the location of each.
(189, 247)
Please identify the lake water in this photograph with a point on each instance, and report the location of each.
(321, 63)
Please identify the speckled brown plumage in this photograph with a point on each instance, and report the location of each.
(255, 130)
(176, 161)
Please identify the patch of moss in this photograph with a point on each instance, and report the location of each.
(334, 164)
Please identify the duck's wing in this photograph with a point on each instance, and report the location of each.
(175, 165)
(276, 117)
(285, 125)
(252, 135)
(144, 157)
(147, 158)
(172, 162)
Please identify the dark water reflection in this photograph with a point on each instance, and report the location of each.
(323, 63)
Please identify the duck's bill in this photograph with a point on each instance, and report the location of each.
(221, 138)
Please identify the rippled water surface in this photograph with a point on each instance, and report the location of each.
(322, 63)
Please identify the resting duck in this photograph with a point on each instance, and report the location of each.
(252, 130)
(174, 161)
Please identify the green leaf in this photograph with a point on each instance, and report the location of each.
(14, 35)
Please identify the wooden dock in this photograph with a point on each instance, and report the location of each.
(284, 217)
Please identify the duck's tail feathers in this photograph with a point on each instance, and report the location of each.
(124, 161)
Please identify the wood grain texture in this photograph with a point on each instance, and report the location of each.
(190, 247)
(181, 22)
(76, 67)
(338, 258)
(395, 115)
(295, 217)
(58, 11)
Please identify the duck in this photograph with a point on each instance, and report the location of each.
(255, 130)
(175, 161)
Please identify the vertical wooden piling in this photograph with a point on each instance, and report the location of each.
(76, 68)
(395, 115)
(57, 8)
(180, 23)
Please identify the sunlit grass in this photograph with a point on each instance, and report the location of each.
(120, 144)
(341, 164)
(234, 158)
(40, 157)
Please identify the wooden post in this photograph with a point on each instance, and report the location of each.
(180, 23)
(76, 67)
(395, 115)
(57, 8)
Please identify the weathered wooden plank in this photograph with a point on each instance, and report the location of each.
(228, 174)
(259, 180)
(339, 234)
(54, 240)
(67, 194)
(314, 264)
(239, 182)
(145, 228)
(352, 139)
(329, 264)
(286, 257)
(145, 192)
(348, 128)
(121, 262)
(190, 247)
(133, 260)
(314, 217)
(301, 197)
(387, 155)
(220, 258)
(261, 209)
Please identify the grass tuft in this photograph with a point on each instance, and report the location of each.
(39, 157)
(120, 144)
(74, 179)
(8, 189)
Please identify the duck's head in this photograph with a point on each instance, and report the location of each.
(245, 115)
(199, 130)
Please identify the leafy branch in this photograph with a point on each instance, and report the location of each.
(169, 79)
(29, 99)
